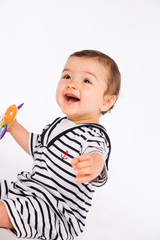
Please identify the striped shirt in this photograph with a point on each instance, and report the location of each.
(47, 203)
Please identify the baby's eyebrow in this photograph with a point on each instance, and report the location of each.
(92, 74)
(65, 69)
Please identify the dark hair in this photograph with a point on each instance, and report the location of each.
(114, 80)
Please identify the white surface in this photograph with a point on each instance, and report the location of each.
(36, 37)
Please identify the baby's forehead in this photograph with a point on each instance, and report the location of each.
(86, 62)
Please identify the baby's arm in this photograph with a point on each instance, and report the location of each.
(87, 167)
(20, 134)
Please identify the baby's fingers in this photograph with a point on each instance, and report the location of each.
(83, 171)
(82, 179)
(74, 162)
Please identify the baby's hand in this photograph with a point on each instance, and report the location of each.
(87, 167)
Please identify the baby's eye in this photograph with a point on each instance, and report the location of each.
(87, 81)
(67, 77)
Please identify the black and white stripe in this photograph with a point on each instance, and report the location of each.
(47, 203)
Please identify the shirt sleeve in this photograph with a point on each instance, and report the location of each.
(36, 140)
(101, 146)
(101, 179)
(34, 143)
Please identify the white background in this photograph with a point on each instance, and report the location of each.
(36, 38)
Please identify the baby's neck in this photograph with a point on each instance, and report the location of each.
(82, 121)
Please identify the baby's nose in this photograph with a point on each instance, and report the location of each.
(73, 85)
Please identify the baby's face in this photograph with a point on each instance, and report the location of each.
(80, 91)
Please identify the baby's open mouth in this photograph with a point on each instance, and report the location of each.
(70, 98)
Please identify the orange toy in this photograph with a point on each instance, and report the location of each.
(10, 114)
(8, 118)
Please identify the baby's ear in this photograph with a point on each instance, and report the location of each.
(108, 102)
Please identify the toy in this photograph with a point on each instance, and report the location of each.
(8, 118)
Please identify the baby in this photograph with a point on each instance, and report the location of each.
(70, 155)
